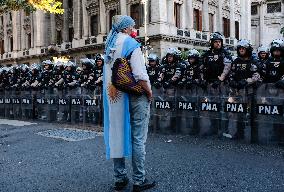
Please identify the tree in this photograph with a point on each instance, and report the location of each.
(52, 6)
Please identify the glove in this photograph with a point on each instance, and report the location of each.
(166, 85)
(157, 84)
(181, 84)
(279, 84)
(216, 84)
(189, 84)
(242, 84)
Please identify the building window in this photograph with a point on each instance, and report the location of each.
(58, 37)
(226, 27)
(94, 25)
(254, 10)
(197, 20)
(177, 15)
(237, 30)
(137, 13)
(70, 3)
(1, 20)
(29, 39)
(111, 14)
(71, 34)
(11, 44)
(2, 51)
(10, 16)
(211, 22)
(274, 7)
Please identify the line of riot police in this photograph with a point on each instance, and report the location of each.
(217, 66)
(50, 74)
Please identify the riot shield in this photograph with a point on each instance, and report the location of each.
(9, 113)
(41, 105)
(209, 111)
(27, 105)
(76, 105)
(234, 115)
(92, 113)
(52, 104)
(186, 111)
(64, 109)
(163, 111)
(2, 103)
(269, 114)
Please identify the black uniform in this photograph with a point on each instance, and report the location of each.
(214, 64)
(274, 70)
(242, 70)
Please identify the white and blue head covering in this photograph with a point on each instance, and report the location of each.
(120, 22)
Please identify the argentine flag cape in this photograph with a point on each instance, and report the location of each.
(117, 129)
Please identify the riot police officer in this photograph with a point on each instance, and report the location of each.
(244, 70)
(216, 62)
(99, 60)
(35, 80)
(274, 66)
(47, 75)
(263, 55)
(58, 74)
(171, 71)
(192, 73)
(86, 77)
(25, 76)
(153, 67)
(70, 76)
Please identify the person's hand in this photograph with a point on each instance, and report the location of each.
(150, 95)
(221, 77)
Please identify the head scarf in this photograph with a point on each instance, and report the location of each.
(119, 22)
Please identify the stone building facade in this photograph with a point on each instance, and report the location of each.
(267, 21)
(82, 29)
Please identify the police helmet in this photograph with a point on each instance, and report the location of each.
(99, 57)
(193, 53)
(35, 66)
(216, 36)
(89, 63)
(277, 44)
(245, 44)
(153, 57)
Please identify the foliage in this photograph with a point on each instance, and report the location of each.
(52, 6)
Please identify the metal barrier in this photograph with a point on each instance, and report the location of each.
(249, 115)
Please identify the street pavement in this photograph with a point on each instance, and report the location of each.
(31, 159)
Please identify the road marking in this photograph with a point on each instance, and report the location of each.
(15, 123)
(70, 134)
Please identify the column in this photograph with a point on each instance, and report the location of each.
(248, 6)
(65, 28)
(102, 18)
(16, 26)
(183, 16)
(86, 23)
(243, 21)
(123, 7)
(39, 21)
(23, 31)
(158, 11)
(220, 16)
(232, 19)
(189, 14)
(6, 40)
(77, 19)
(170, 10)
(205, 16)
(53, 29)
(261, 23)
